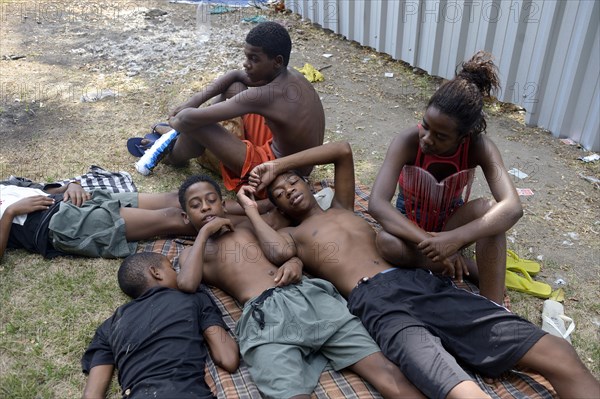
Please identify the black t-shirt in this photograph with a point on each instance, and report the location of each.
(156, 343)
(34, 235)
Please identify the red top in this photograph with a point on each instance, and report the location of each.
(429, 203)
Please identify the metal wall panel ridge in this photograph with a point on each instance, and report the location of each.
(547, 51)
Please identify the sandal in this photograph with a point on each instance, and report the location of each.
(519, 280)
(137, 146)
(513, 262)
(554, 320)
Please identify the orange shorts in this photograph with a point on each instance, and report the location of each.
(258, 138)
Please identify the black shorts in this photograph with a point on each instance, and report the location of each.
(418, 319)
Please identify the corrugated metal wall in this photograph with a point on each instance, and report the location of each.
(547, 52)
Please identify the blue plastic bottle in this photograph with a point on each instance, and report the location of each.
(154, 154)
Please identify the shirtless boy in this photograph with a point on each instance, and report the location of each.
(266, 91)
(422, 322)
(290, 326)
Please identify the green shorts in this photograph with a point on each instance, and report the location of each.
(306, 326)
(95, 229)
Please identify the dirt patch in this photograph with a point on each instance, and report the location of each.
(95, 74)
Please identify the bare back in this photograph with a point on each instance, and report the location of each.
(235, 263)
(295, 114)
(338, 246)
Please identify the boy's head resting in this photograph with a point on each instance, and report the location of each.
(462, 97)
(201, 200)
(290, 193)
(141, 271)
(273, 38)
(193, 180)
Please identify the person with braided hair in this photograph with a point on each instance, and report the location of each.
(433, 164)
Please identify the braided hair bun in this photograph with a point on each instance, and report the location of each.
(481, 71)
(462, 97)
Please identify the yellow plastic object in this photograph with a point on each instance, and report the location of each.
(523, 282)
(513, 262)
(558, 295)
(311, 73)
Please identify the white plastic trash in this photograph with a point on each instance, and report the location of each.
(324, 198)
(203, 22)
(555, 322)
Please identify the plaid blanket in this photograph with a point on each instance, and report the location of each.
(516, 384)
(99, 178)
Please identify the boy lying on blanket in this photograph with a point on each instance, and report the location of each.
(422, 322)
(156, 341)
(291, 326)
(55, 219)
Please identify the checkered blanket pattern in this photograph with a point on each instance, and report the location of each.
(516, 384)
(99, 178)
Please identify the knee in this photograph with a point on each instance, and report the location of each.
(484, 205)
(551, 347)
(386, 244)
(570, 362)
(393, 249)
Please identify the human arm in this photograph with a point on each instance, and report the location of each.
(21, 207)
(391, 219)
(218, 86)
(501, 216)
(234, 208)
(72, 191)
(191, 260)
(98, 381)
(223, 349)
(338, 153)
(277, 247)
(289, 273)
(252, 100)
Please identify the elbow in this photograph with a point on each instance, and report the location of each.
(511, 212)
(374, 207)
(229, 360)
(280, 258)
(186, 286)
(346, 148)
(344, 151)
(231, 364)
(517, 213)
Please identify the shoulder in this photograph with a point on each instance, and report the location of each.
(410, 135)
(482, 150)
(406, 141)
(403, 147)
(290, 83)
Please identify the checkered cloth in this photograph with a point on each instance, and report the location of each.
(99, 178)
(516, 384)
(96, 178)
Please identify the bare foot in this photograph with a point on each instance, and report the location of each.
(161, 129)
